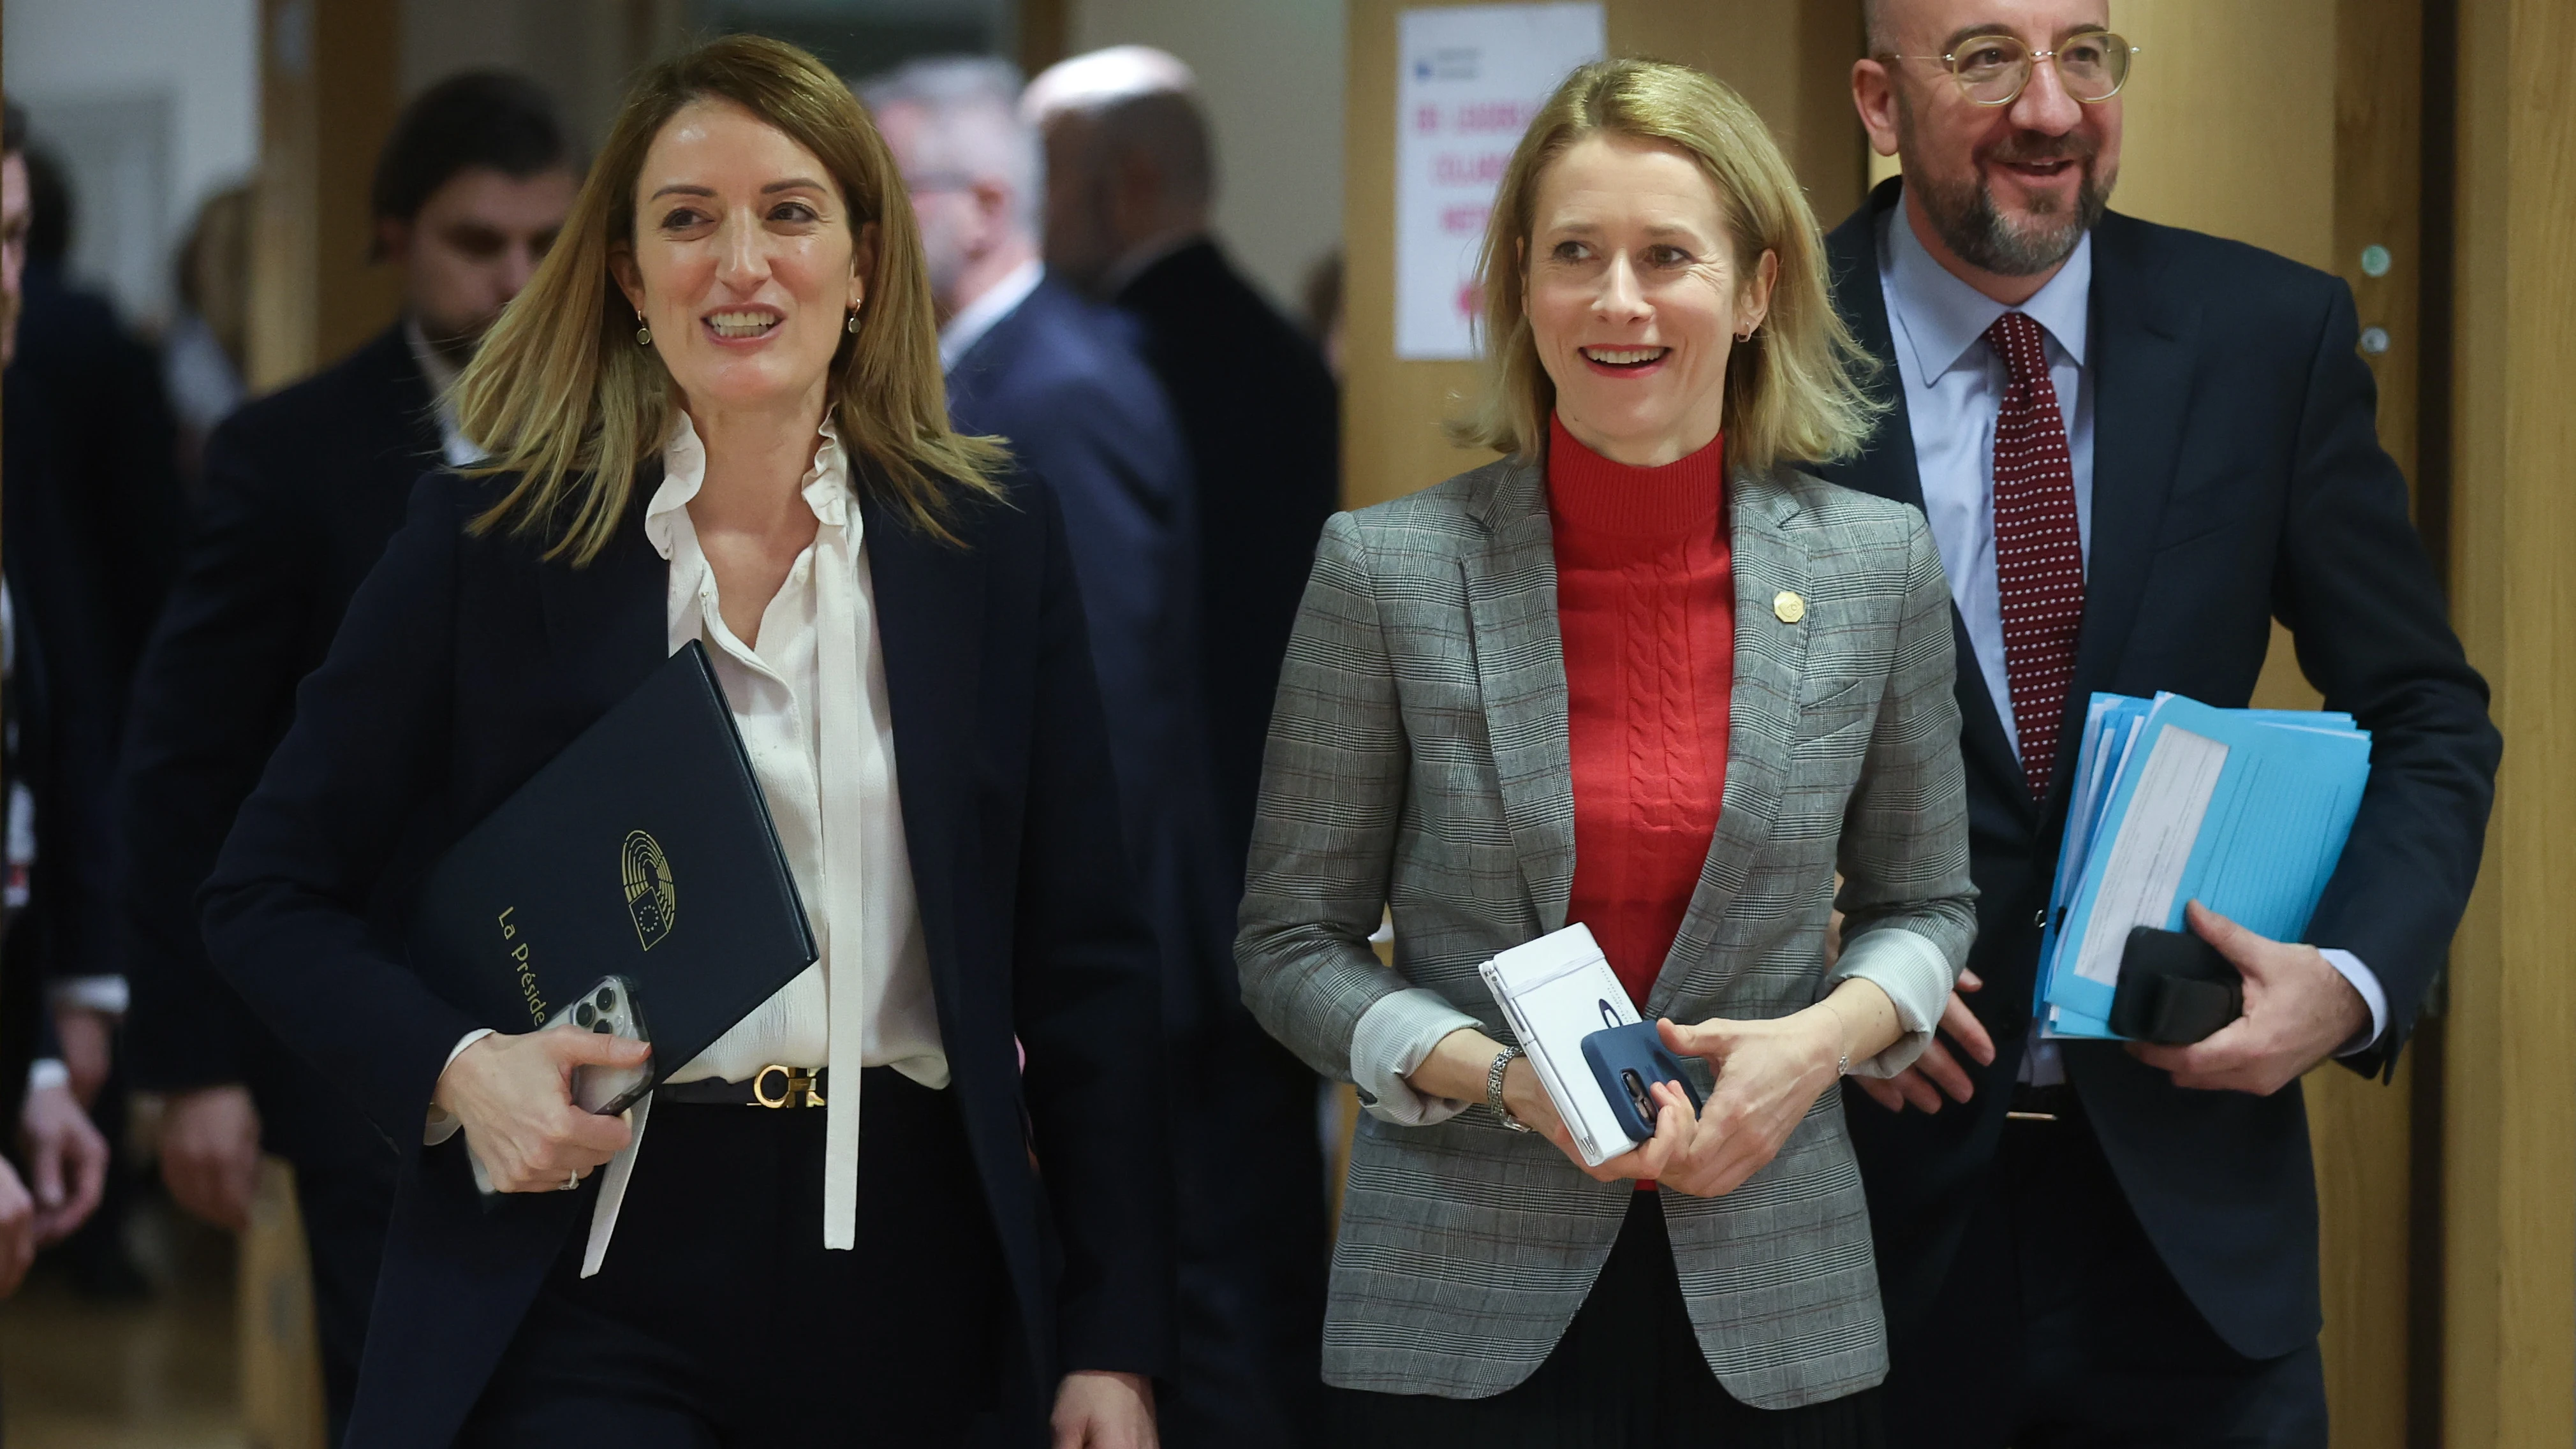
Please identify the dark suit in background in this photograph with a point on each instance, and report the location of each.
(95, 518)
(1059, 377)
(2237, 479)
(1264, 431)
(110, 449)
(26, 1027)
(1263, 425)
(93, 524)
(302, 490)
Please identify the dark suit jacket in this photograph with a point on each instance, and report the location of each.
(466, 663)
(302, 489)
(111, 446)
(93, 515)
(26, 1027)
(1060, 380)
(1264, 430)
(2237, 478)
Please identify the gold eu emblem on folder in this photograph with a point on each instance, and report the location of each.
(649, 896)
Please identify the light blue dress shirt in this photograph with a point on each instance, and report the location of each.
(1954, 386)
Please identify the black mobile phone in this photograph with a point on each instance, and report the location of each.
(2175, 989)
(1627, 1061)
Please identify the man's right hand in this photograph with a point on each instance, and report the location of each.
(1922, 1085)
(210, 1153)
(513, 1094)
(66, 1158)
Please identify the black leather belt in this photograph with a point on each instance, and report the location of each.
(771, 1086)
(2053, 1103)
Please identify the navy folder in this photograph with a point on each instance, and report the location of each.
(643, 850)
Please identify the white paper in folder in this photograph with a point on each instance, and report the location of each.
(1557, 990)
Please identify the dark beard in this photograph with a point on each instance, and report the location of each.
(1977, 233)
(1964, 214)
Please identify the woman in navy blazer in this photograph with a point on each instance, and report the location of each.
(516, 607)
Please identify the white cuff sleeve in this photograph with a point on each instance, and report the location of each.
(1917, 979)
(46, 1073)
(93, 993)
(1390, 1041)
(2373, 995)
(441, 1125)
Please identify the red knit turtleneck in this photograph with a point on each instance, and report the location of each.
(1645, 604)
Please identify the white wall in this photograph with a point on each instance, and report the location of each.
(1272, 73)
(154, 104)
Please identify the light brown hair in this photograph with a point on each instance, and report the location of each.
(560, 394)
(1793, 390)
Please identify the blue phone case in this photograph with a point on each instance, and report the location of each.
(1626, 1061)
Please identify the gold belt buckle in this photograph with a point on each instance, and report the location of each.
(800, 1089)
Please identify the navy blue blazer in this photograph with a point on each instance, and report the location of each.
(302, 490)
(2237, 479)
(1059, 380)
(467, 662)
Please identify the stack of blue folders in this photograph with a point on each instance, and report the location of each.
(2243, 810)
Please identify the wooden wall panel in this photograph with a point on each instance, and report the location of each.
(329, 87)
(1790, 58)
(2509, 1121)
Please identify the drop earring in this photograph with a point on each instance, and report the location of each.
(851, 326)
(643, 334)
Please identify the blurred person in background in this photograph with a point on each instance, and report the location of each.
(1057, 377)
(1131, 178)
(1131, 174)
(100, 439)
(205, 353)
(51, 763)
(303, 488)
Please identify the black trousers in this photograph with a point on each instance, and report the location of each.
(2059, 1326)
(1628, 1374)
(344, 1190)
(1254, 1250)
(345, 1212)
(718, 1317)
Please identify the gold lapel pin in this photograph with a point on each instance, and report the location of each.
(1788, 606)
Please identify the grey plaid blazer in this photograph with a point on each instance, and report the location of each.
(1418, 761)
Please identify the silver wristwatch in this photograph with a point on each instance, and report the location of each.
(1494, 1089)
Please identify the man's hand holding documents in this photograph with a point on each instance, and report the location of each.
(2244, 811)
(2299, 1010)
(2227, 823)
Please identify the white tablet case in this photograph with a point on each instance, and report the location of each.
(1557, 990)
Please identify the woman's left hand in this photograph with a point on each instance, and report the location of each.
(1769, 1073)
(1098, 1410)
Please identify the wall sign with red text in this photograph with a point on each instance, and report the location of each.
(1471, 78)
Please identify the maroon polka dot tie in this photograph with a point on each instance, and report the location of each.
(2039, 554)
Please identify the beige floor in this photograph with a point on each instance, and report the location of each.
(156, 1375)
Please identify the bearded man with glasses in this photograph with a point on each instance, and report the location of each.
(2137, 447)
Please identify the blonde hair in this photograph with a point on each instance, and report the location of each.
(560, 394)
(1794, 390)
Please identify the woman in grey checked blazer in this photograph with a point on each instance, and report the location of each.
(1642, 674)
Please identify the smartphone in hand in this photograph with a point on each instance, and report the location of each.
(609, 1008)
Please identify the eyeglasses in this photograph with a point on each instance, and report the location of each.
(1993, 70)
